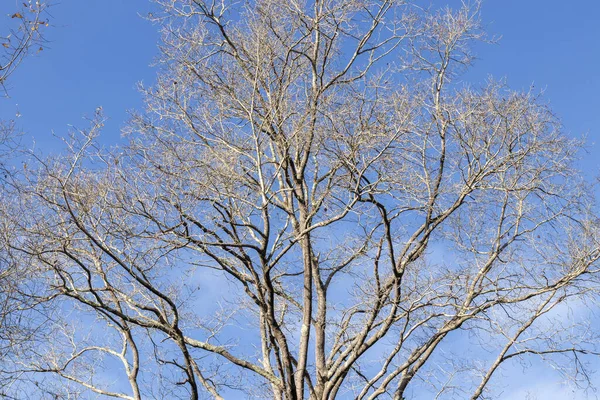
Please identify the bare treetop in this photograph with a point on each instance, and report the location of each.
(310, 206)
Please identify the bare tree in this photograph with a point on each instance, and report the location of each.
(23, 33)
(311, 206)
(22, 36)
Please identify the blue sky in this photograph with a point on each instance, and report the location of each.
(554, 45)
(96, 53)
(99, 49)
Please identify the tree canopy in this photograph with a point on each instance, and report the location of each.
(311, 205)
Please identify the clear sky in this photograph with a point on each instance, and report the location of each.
(99, 49)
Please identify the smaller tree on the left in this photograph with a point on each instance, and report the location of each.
(21, 35)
